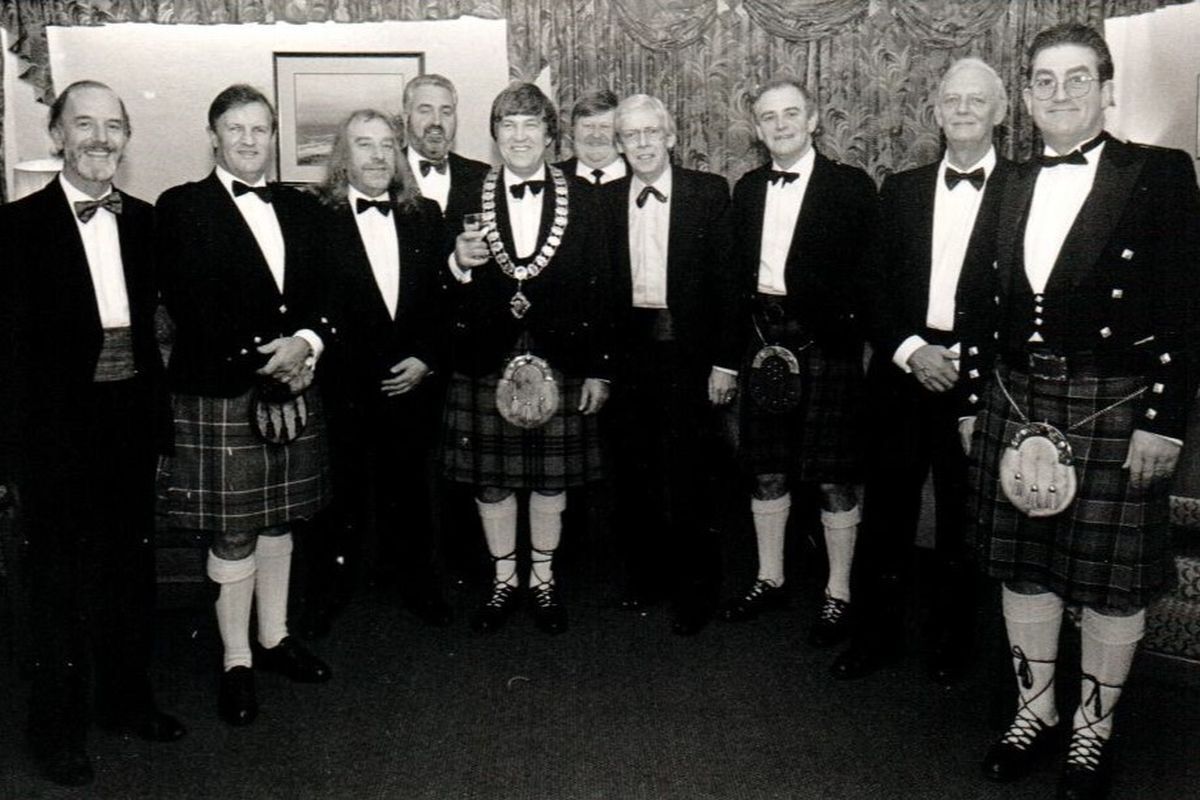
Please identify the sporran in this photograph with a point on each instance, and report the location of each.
(527, 394)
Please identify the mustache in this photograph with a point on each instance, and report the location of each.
(93, 144)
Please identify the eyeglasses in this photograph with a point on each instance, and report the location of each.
(652, 134)
(1045, 87)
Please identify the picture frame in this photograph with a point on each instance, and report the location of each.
(314, 92)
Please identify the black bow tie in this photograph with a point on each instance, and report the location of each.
(535, 188)
(362, 204)
(263, 192)
(597, 176)
(975, 177)
(1075, 156)
(86, 209)
(776, 176)
(646, 192)
(437, 166)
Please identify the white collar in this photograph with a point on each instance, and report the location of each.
(804, 166)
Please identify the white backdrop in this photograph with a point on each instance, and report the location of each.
(168, 75)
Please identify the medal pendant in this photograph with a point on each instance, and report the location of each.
(519, 304)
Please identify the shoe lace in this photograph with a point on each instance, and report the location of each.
(1087, 744)
(501, 593)
(760, 588)
(544, 595)
(1026, 725)
(833, 609)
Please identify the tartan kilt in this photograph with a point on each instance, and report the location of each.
(481, 448)
(821, 440)
(1110, 547)
(222, 477)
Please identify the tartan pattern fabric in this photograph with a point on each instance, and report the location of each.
(820, 440)
(1110, 547)
(222, 477)
(481, 448)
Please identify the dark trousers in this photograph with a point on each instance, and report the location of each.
(913, 432)
(86, 517)
(664, 444)
(381, 520)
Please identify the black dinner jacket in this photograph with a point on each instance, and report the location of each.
(466, 176)
(370, 341)
(570, 319)
(837, 219)
(1125, 281)
(219, 291)
(568, 166)
(50, 331)
(700, 287)
(896, 276)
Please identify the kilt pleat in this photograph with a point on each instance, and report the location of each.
(821, 440)
(222, 477)
(1110, 547)
(481, 448)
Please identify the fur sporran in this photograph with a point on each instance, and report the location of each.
(1037, 472)
(527, 394)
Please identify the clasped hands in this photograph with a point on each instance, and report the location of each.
(290, 362)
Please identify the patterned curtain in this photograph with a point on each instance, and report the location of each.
(871, 65)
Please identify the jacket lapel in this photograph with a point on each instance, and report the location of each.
(1116, 176)
(76, 275)
(232, 224)
(1014, 213)
(366, 287)
(624, 278)
(980, 244)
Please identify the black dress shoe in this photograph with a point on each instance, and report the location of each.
(236, 700)
(292, 660)
(761, 596)
(67, 767)
(152, 726)
(549, 614)
(689, 620)
(494, 613)
(832, 625)
(864, 657)
(431, 609)
(1087, 770)
(1023, 746)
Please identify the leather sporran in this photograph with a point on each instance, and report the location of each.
(276, 415)
(1037, 471)
(776, 384)
(527, 394)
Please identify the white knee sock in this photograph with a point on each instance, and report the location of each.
(1107, 647)
(236, 579)
(770, 525)
(1033, 622)
(499, 522)
(545, 532)
(841, 533)
(274, 556)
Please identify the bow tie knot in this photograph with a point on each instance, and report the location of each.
(86, 209)
(778, 176)
(535, 188)
(437, 166)
(362, 204)
(597, 176)
(262, 192)
(1075, 156)
(647, 192)
(975, 177)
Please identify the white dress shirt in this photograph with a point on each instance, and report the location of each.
(435, 185)
(954, 213)
(779, 224)
(378, 233)
(263, 223)
(614, 171)
(525, 215)
(102, 247)
(1058, 195)
(649, 231)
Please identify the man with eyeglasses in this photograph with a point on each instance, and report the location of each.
(1097, 306)
(597, 160)
(801, 224)
(932, 255)
(678, 359)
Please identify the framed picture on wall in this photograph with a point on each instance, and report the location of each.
(315, 91)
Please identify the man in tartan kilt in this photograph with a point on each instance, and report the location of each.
(1098, 245)
(243, 285)
(800, 225)
(531, 286)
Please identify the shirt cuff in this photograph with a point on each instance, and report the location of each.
(314, 342)
(1171, 439)
(459, 275)
(904, 352)
(726, 370)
